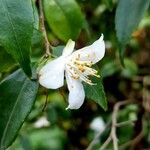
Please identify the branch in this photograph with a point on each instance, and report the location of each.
(42, 25)
(112, 136)
(106, 143)
(124, 123)
(94, 141)
(132, 142)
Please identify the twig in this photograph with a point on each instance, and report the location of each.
(42, 25)
(132, 142)
(93, 142)
(113, 129)
(124, 123)
(106, 143)
(114, 122)
(62, 93)
(137, 139)
(46, 100)
(112, 135)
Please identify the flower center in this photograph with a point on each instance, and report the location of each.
(80, 69)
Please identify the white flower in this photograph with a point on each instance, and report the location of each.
(98, 124)
(77, 68)
(41, 122)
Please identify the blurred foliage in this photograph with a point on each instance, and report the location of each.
(70, 129)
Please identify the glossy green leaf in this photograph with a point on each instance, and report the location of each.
(64, 17)
(17, 97)
(16, 27)
(37, 40)
(96, 92)
(6, 61)
(128, 15)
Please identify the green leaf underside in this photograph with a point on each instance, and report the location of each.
(17, 97)
(96, 92)
(64, 17)
(128, 15)
(16, 27)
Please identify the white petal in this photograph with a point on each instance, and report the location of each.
(76, 93)
(68, 48)
(93, 53)
(51, 76)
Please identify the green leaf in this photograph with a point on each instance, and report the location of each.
(16, 27)
(6, 60)
(109, 68)
(128, 15)
(17, 97)
(36, 16)
(64, 17)
(96, 92)
(37, 40)
(130, 69)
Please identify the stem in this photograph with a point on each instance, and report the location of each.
(46, 100)
(124, 123)
(106, 143)
(42, 26)
(114, 122)
(112, 136)
(93, 142)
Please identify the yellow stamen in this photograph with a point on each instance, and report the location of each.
(81, 69)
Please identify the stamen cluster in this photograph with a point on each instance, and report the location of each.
(81, 69)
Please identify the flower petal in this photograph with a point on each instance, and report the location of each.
(51, 76)
(93, 53)
(76, 93)
(68, 48)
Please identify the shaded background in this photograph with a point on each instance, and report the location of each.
(54, 128)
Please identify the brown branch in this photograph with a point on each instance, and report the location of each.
(112, 136)
(106, 143)
(137, 139)
(114, 122)
(132, 142)
(42, 26)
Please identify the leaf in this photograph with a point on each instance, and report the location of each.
(109, 68)
(37, 40)
(6, 61)
(16, 27)
(128, 15)
(36, 16)
(130, 69)
(96, 92)
(64, 17)
(17, 97)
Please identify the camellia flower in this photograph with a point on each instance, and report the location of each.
(76, 66)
